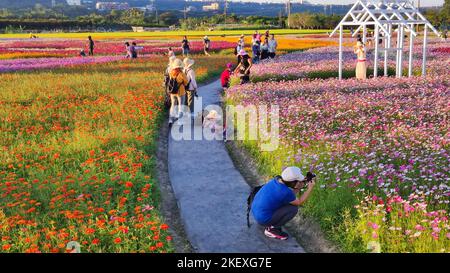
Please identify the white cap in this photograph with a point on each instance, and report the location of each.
(291, 174)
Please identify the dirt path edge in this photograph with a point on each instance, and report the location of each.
(169, 205)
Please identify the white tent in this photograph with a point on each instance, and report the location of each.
(386, 17)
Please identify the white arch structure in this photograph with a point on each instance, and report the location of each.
(386, 17)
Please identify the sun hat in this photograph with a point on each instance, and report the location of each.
(177, 63)
(242, 36)
(243, 52)
(212, 115)
(188, 62)
(291, 174)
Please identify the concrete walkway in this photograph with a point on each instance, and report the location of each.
(212, 196)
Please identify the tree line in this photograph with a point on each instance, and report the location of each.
(67, 17)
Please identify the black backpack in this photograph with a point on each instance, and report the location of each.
(173, 85)
(250, 199)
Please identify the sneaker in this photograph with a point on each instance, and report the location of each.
(276, 233)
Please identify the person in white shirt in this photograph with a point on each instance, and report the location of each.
(191, 88)
(272, 46)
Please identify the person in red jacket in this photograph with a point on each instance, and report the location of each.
(226, 75)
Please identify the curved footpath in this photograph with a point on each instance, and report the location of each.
(212, 195)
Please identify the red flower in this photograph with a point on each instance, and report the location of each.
(128, 184)
(117, 240)
(164, 227)
(96, 241)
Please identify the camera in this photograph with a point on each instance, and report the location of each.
(309, 177)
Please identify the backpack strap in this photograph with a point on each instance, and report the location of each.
(190, 80)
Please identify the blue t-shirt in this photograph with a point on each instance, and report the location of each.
(269, 199)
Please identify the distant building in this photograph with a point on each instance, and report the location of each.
(74, 2)
(212, 7)
(111, 6)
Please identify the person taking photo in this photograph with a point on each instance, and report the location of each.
(276, 203)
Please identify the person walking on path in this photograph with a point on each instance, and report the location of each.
(361, 68)
(273, 44)
(185, 46)
(206, 45)
(226, 75)
(276, 203)
(244, 66)
(177, 82)
(167, 100)
(91, 46)
(191, 87)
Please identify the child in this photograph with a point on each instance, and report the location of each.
(225, 77)
(213, 121)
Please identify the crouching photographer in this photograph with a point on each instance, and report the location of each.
(276, 203)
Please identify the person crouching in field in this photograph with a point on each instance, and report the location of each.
(226, 76)
(177, 82)
(191, 87)
(361, 68)
(244, 66)
(276, 203)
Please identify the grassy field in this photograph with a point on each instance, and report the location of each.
(161, 34)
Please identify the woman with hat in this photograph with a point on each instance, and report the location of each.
(191, 87)
(242, 40)
(244, 66)
(361, 68)
(206, 45)
(177, 83)
(166, 81)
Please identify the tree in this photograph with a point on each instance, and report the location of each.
(168, 18)
(133, 17)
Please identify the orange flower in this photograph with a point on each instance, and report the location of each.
(128, 184)
(95, 241)
(117, 240)
(89, 231)
(6, 247)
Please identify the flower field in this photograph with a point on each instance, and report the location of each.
(20, 55)
(380, 148)
(322, 62)
(102, 47)
(77, 160)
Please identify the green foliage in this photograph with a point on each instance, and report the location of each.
(313, 21)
